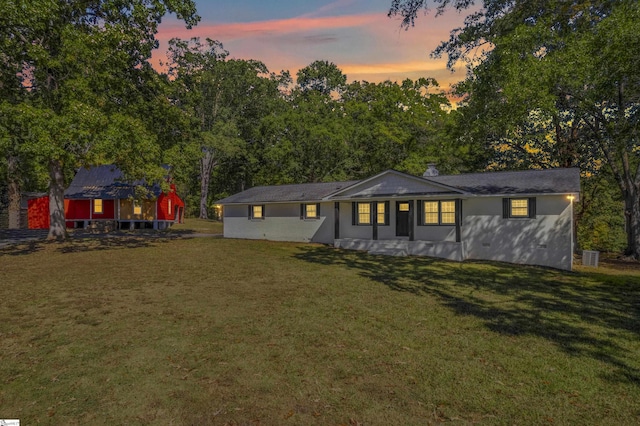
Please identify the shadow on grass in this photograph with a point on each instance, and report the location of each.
(591, 315)
(20, 249)
(80, 241)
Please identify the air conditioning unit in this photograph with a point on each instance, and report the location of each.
(590, 258)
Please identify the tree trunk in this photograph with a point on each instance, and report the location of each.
(57, 226)
(14, 193)
(632, 223)
(206, 166)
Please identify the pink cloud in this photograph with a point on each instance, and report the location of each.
(238, 30)
(368, 47)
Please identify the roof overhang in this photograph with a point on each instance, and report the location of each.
(342, 194)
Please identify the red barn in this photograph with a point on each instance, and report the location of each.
(100, 198)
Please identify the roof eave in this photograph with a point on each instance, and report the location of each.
(405, 175)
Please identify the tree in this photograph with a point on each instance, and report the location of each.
(226, 99)
(573, 65)
(79, 71)
(400, 126)
(321, 76)
(307, 142)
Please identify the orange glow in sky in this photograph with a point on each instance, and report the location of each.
(356, 35)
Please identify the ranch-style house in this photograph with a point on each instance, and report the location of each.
(523, 217)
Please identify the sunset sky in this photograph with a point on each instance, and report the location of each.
(356, 35)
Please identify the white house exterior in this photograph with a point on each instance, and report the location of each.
(519, 217)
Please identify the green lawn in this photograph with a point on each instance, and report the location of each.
(201, 226)
(213, 331)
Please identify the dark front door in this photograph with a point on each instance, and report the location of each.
(403, 209)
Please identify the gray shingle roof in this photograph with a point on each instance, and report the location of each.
(550, 181)
(104, 182)
(279, 193)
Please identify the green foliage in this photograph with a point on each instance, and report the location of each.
(399, 126)
(600, 216)
(552, 83)
(77, 76)
(368, 128)
(307, 142)
(321, 76)
(225, 99)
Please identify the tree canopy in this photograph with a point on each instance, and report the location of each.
(551, 83)
(76, 81)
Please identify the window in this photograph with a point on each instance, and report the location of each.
(448, 212)
(310, 211)
(431, 212)
(438, 212)
(383, 213)
(256, 211)
(518, 208)
(137, 208)
(97, 206)
(169, 205)
(364, 214)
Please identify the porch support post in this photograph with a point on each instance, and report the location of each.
(374, 218)
(336, 220)
(411, 225)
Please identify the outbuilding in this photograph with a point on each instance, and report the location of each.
(100, 198)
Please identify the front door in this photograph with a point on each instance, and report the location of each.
(403, 209)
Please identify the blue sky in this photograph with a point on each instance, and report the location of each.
(356, 35)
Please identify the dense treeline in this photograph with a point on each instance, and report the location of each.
(262, 129)
(554, 83)
(544, 89)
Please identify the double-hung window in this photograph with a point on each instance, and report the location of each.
(437, 212)
(256, 211)
(382, 213)
(310, 211)
(363, 214)
(514, 208)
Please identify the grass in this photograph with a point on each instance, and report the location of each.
(214, 331)
(202, 226)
